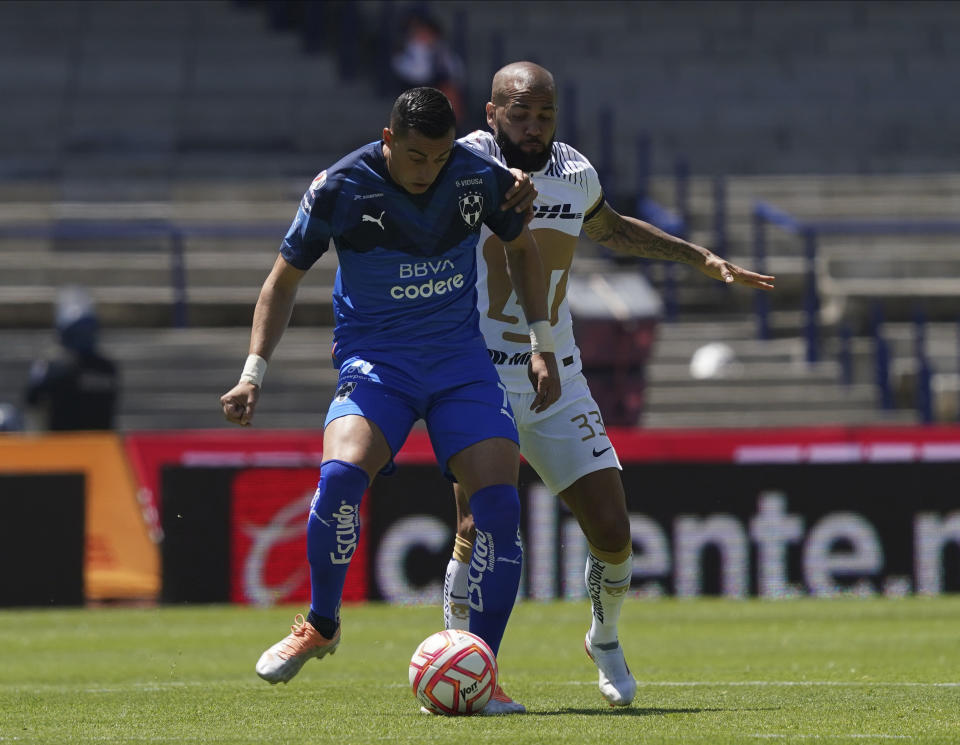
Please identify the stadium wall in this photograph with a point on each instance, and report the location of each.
(119, 558)
(220, 516)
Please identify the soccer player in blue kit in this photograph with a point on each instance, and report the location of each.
(404, 214)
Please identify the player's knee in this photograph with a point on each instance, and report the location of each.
(495, 506)
(335, 511)
(342, 479)
(607, 532)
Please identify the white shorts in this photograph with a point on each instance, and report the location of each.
(568, 440)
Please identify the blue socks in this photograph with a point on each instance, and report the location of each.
(333, 531)
(493, 576)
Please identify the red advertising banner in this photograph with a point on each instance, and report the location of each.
(268, 548)
(732, 512)
(148, 452)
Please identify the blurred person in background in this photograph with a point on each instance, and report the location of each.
(425, 58)
(566, 445)
(76, 387)
(11, 418)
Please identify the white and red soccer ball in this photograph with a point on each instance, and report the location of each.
(453, 673)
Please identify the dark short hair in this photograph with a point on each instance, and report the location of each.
(424, 109)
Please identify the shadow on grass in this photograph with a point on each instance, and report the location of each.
(637, 711)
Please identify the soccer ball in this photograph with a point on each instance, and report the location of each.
(453, 673)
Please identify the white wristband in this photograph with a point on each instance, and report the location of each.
(254, 370)
(541, 337)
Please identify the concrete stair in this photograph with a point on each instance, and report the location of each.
(770, 382)
(173, 378)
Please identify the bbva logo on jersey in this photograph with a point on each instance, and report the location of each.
(471, 207)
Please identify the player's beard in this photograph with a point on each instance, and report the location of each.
(517, 157)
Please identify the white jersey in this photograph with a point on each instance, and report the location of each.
(569, 189)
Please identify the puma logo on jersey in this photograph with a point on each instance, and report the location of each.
(377, 220)
(562, 211)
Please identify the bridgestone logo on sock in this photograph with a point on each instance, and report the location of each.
(595, 586)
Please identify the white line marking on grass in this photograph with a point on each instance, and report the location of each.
(832, 736)
(143, 685)
(161, 685)
(492, 736)
(776, 683)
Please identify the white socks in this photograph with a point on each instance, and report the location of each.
(607, 585)
(456, 601)
(456, 604)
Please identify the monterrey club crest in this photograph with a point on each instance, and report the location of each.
(344, 391)
(471, 207)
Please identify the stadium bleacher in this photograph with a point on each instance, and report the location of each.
(201, 114)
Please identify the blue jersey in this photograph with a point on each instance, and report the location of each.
(407, 275)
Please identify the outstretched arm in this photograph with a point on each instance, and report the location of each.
(637, 238)
(270, 319)
(527, 276)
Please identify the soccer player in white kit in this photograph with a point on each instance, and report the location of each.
(567, 444)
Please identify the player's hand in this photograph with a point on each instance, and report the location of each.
(521, 195)
(239, 402)
(545, 378)
(717, 268)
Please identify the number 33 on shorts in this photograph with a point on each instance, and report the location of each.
(591, 423)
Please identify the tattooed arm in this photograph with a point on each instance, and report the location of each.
(637, 238)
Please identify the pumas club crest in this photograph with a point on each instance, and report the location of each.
(471, 208)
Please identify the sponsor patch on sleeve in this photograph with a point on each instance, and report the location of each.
(311, 194)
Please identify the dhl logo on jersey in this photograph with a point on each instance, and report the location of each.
(561, 211)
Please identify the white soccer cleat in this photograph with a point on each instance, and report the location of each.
(285, 658)
(617, 684)
(500, 703)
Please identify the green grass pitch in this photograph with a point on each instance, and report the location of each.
(711, 671)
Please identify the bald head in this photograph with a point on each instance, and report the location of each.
(522, 113)
(521, 77)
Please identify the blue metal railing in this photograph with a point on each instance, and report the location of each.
(881, 352)
(924, 372)
(568, 105)
(761, 303)
(810, 231)
(846, 354)
(673, 222)
(720, 218)
(606, 162)
(176, 235)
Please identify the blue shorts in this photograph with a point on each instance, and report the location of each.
(458, 395)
